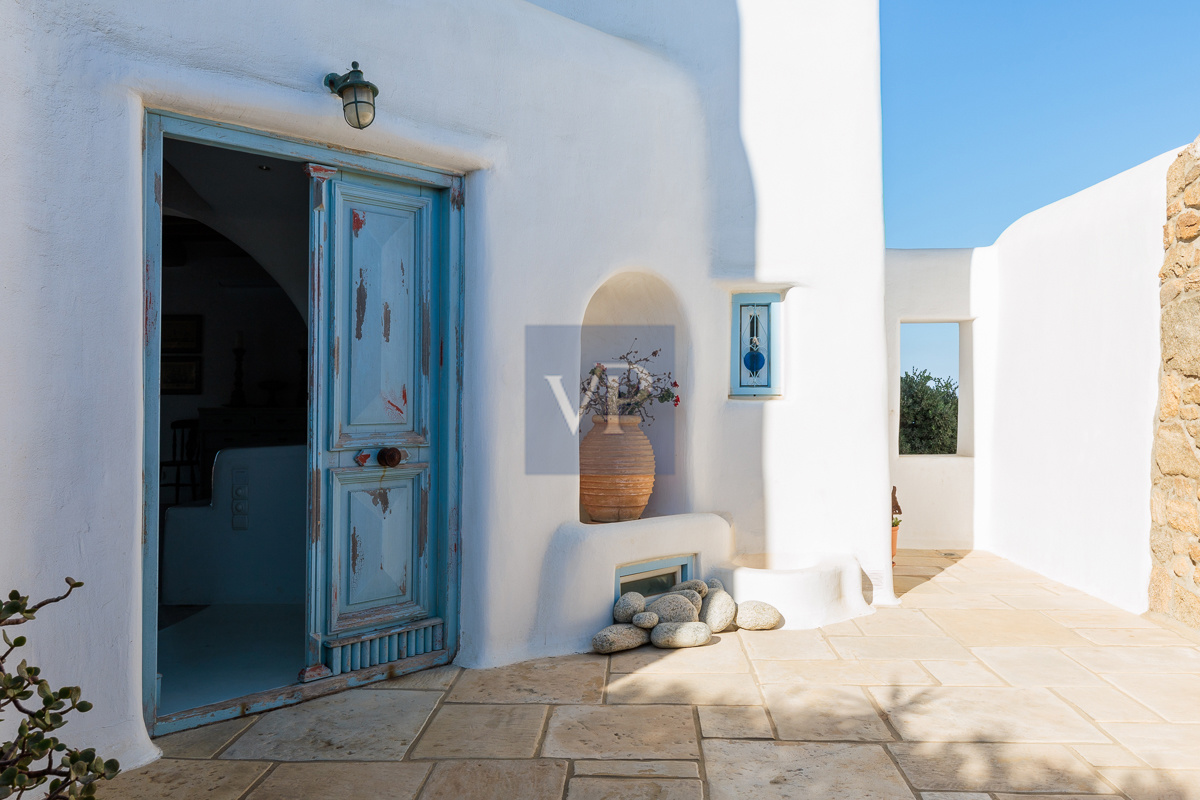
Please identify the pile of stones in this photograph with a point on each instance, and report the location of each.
(686, 616)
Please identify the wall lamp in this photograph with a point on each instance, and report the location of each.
(358, 96)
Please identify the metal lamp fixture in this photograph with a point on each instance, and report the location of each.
(357, 93)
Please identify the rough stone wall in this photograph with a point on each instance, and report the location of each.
(1174, 503)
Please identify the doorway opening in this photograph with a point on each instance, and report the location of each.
(233, 430)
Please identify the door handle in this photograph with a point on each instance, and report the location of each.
(391, 456)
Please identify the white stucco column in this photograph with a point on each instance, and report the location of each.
(811, 125)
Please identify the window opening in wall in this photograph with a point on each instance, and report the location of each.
(650, 578)
(755, 367)
(929, 358)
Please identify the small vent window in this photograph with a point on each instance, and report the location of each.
(651, 578)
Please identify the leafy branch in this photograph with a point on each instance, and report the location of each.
(633, 393)
(28, 761)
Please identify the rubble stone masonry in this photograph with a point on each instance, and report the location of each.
(1174, 503)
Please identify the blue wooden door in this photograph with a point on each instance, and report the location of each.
(378, 532)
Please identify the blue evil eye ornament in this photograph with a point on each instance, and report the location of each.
(754, 361)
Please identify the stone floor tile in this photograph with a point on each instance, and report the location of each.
(904, 648)
(358, 725)
(460, 730)
(393, 780)
(1105, 704)
(540, 779)
(948, 600)
(174, 779)
(905, 584)
(824, 713)
(203, 742)
(897, 622)
(843, 628)
(1151, 660)
(434, 679)
(843, 673)
(734, 722)
(923, 560)
(1176, 697)
(1007, 588)
(981, 767)
(638, 769)
(1107, 755)
(734, 689)
(1035, 666)
(954, 555)
(917, 570)
(1099, 618)
(622, 732)
(792, 645)
(1160, 745)
(634, 789)
(1155, 784)
(1056, 602)
(1058, 797)
(955, 796)
(982, 714)
(962, 673)
(1136, 637)
(566, 680)
(1009, 628)
(723, 654)
(739, 770)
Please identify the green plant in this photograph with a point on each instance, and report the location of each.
(928, 414)
(895, 521)
(21, 768)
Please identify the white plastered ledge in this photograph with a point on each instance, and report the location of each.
(576, 593)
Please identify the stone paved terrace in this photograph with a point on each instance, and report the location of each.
(989, 682)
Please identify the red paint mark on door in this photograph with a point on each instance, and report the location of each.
(357, 220)
(360, 304)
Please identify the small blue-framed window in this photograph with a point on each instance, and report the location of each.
(756, 368)
(649, 578)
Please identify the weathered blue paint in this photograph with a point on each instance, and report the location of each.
(761, 358)
(434, 439)
(152, 169)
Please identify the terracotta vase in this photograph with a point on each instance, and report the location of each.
(616, 469)
(895, 532)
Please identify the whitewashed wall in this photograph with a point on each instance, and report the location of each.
(587, 155)
(1063, 368)
(937, 492)
(1076, 383)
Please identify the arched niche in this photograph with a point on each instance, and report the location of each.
(642, 305)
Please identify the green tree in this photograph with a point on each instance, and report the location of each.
(928, 414)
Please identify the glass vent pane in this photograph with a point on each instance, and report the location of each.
(755, 356)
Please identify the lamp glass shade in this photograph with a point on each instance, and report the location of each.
(358, 105)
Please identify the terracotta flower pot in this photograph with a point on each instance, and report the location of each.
(895, 532)
(616, 469)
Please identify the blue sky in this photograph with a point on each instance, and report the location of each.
(994, 108)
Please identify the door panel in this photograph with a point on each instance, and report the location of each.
(375, 594)
(382, 282)
(380, 570)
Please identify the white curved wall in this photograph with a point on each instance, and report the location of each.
(1064, 354)
(587, 155)
(1076, 385)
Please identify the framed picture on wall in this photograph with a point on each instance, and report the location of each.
(182, 333)
(182, 375)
